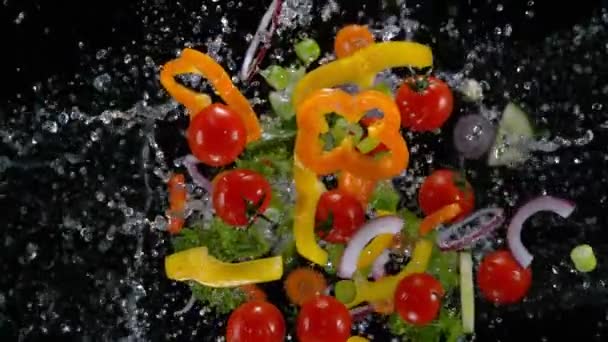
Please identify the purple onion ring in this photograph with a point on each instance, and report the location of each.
(543, 203)
(489, 220)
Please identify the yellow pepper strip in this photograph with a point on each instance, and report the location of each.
(195, 62)
(384, 289)
(196, 264)
(374, 249)
(357, 339)
(445, 214)
(362, 66)
(308, 190)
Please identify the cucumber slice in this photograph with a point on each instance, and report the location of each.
(467, 293)
(514, 131)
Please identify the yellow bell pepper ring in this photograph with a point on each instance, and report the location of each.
(362, 66)
(308, 191)
(384, 289)
(196, 264)
(195, 62)
(357, 339)
(374, 249)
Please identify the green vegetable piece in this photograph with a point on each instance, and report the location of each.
(368, 144)
(276, 76)
(583, 258)
(412, 223)
(334, 252)
(345, 291)
(356, 132)
(222, 300)
(308, 51)
(339, 129)
(446, 328)
(294, 75)
(187, 238)
(385, 197)
(467, 293)
(281, 104)
(513, 130)
(229, 244)
(444, 266)
(384, 88)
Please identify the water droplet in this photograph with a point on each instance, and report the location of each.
(499, 7)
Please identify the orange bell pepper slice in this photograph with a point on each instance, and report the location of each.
(311, 123)
(361, 188)
(445, 214)
(177, 202)
(195, 62)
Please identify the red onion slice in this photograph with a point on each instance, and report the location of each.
(187, 307)
(190, 163)
(543, 203)
(264, 33)
(360, 312)
(371, 229)
(378, 270)
(470, 230)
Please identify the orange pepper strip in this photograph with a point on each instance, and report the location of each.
(445, 214)
(311, 123)
(177, 202)
(195, 62)
(361, 188)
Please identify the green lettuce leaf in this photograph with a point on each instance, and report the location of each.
(222, 300)
(447, 327)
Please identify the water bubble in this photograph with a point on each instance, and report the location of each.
(102, 82)
(19, 18)
(50, 126)
(499, 7)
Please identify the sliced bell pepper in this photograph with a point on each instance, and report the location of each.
(384, 288)
(195, 62)
(311, 123)
(177, 202)
(362, 66)
(361, 188)
(357, 339)
(196, 264)
(445, 214)
(308, 191)
(374, 249)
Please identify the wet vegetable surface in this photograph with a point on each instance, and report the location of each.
(86, 137)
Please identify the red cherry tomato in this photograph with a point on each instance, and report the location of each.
(216, 135)
(425, 103)
(418, 298)
(323, 319)
(239, 195)
(339, 215)
(501, 279)
(256, 321)
(444, 187)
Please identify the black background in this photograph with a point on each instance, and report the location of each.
(43, 52)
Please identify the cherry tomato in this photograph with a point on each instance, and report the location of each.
(339, 213)
(425, 103)
(256, 321)
(418, 298)
(323, 319)
(352, 38)
(216, 135)
(501, 279)
(444, 187)
(239, 195)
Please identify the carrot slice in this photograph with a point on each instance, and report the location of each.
(303, 284)
(442, 215)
